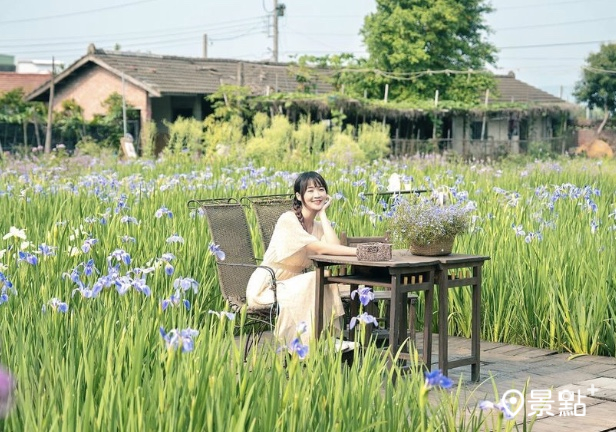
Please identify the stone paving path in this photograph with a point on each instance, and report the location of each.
(559, 376)
(545, 373)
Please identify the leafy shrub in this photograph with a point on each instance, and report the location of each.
(345, 151)
(223, 138)
(374, 140)
(273, 145)
(185, 134)
(148, 139)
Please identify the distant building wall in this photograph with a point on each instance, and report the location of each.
(38, 66)
(92, 87)
(7, 63)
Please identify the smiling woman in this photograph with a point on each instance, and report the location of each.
(298, 234)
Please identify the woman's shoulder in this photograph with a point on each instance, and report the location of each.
(288, 215)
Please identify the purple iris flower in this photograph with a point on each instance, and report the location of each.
(123, 284)
(56, 305)
(365, 295)
(500, 406)
(175, 300)
(436, 378)
(186, 283)
(298, 348)
(364, 318)
(120, 255)
(27, 257)
(5, 282)
(163, 211)
(230, 315)
(47, 250)
(87, 292)
(168, 257)
(87, 244)
(169, 269)
(129, 220)
(215, 250)
(180, 338)
(175, 238)
(89, 268)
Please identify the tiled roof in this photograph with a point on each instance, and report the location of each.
(27, 81)
(511, 89)
(161, 74)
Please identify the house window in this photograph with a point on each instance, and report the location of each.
(182, 112)
(476, 130)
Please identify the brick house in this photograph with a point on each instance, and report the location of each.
(26, 81)
(161, 87)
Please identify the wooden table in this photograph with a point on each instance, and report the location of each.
(435, 271)
(466, 272)
(390, 275)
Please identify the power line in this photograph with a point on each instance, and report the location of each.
(86, 12)
(536, 5)
(553, 45)
(555, 24)
(158, 42)
(228, 34)
(221, 26)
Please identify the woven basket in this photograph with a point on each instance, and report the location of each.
(374, 251)
(438, 248)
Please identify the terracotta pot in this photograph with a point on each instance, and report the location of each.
(438, 248)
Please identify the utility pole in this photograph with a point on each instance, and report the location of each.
(278, 12)
(276, 31)
(124, 107)
(50, 108)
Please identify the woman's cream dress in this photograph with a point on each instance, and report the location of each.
(288, 257)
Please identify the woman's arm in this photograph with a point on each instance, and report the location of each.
(324, 248)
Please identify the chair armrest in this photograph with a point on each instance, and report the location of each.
(269, 269)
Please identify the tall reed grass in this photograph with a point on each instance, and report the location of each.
(103, 363)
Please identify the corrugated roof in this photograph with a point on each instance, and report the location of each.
(511, 89)
(162, 74)
(27, 81)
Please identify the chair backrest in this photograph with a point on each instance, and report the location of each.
(268, 210)
(230, 231)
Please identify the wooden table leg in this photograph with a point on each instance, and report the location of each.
(397, 327)
(443, 311)
(318, 300)
(427, 334)
(476, 324)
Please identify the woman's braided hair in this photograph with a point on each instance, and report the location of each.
(303, 182)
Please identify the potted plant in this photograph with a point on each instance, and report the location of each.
(428, 226)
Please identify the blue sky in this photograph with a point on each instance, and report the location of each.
(544, 42)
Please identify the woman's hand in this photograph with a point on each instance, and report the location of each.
(328, 201)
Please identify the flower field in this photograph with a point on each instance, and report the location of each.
(109, 287)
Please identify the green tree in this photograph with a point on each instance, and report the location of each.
(598, 84)
(14, 109)
(70, 121)
(113, 120)
(409, 38)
